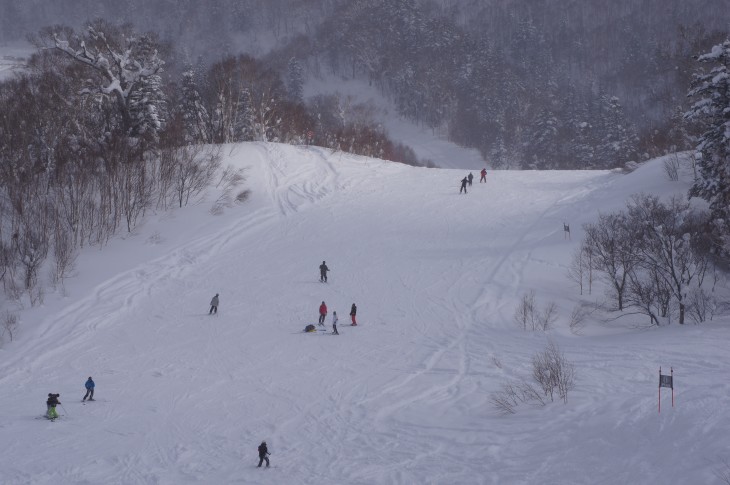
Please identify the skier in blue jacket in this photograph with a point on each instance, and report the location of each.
(89, 389)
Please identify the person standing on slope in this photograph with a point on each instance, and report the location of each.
(322, 313)
(263, 454)
(353, 312)
(323, 272)
(484, 176)
(334, 323)
(464, 181)
(470, 177)
(214, 305)
(52, 402)
(89, 389)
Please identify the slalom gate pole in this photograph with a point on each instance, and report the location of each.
(660, 390)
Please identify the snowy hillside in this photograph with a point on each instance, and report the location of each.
(403, 398)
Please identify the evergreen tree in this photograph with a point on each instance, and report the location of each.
(195, 116)
(295, 81)
(618, 137)
(712, 109)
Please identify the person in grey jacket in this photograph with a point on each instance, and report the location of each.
(214, 305)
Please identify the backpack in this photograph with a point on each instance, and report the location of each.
(310, 328)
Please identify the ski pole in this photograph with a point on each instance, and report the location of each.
(64, 409)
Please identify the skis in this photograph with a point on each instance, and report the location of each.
(43, 416)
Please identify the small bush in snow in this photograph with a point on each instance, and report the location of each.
(552, 371)
(9, 325)
(529, 317)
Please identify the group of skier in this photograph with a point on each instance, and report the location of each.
(468, 179)
(53, 401)
(335, 319)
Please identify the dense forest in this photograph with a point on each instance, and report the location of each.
(538, 84)
(121, 107)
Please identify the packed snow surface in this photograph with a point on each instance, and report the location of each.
(404, 397)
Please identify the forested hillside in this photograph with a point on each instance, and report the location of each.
(549, 84)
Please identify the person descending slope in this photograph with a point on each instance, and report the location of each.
(463, 185)
(263, 454)
(214, 305)
(484, 176)
(353, 312)
(322, 313)
(89, 389)
(334, 323)
(323, 272)
(470, 177)
(51, 403)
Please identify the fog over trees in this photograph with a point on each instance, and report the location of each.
(549, 84)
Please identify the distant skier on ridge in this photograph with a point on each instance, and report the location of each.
(214, 305)
(323, 272)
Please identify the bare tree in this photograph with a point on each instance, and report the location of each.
(553, 372)
(529, 317)
(9, 324)
(611, 246)
(673, 244)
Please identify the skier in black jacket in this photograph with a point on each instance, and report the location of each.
(323, 272)
(263, 452)
(51, 403)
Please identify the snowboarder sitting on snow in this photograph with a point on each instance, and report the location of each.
(334, 323)
(322, 313)
(470, 177)
(89, 389)
(484, 176)
(323, 272)
(353, 312)
(263, 452)
(214, 305)
(51, 403)
(463, 185)
(310, 328)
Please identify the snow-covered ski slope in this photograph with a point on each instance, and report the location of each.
(403, 398)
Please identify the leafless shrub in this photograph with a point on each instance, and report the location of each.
(512, 394)
(64, 254)
(546, 318)
(529, 317)
(9, 324)
(243, 196)
(230, 179)
(671, 168)
(701, 305)
(581, 268)
(553, 372)
(525, 311)
(505, 400)
(578, 318)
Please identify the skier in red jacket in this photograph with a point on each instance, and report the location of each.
(484, 176)
(322, 313)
